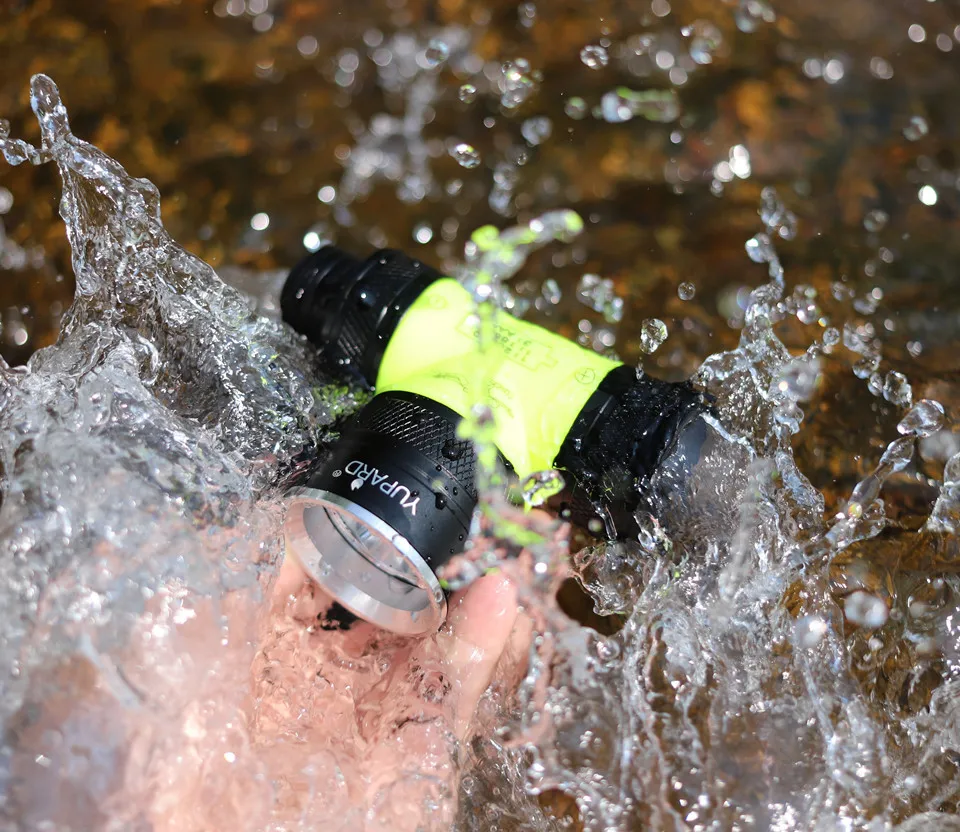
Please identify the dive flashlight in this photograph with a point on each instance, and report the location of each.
(393, 499)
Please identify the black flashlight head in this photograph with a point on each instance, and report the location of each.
(349, 308)
(390, 505)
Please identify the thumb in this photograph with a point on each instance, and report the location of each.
(478, 628)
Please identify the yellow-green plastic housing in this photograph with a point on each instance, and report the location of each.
(537, 382)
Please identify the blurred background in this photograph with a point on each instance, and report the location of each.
(270, 126)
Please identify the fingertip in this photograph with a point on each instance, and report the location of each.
(289, 579)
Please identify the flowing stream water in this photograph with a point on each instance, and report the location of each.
(756, 672)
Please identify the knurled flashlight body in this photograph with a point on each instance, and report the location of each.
(392, 500)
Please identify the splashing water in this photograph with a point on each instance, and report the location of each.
(149, 688)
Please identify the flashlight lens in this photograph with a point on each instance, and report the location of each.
(371, 546)
(355, 552)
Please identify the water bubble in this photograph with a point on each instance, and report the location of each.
(536, 130)
(686, 291)
(896, 389)
(875, 220)
(925, 418)
(594, 57)
(260, 221)
(916, 128)
(467, 93)
(865, 609)
(831, 336)
(6, 201)
(436, 53)
(466, 155)
(810, 630)
(875, 384)
(653, 332)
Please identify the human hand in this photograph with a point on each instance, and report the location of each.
(371, 726)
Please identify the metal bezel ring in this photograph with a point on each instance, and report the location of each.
(300, 545)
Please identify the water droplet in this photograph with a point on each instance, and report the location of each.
(422, 233)
(624, 104)
(896, 389)
(686, 291)
(551, 291)
(653, 332)
(600, 295)
(776, 216)
(517, 83)
(536, 130)
(928, 195)
(594, 57)
(916, 128)
(576, 108)
(925, 418)
(436, 53)
(810, 630)
(831, 336)
(897, 455)
(452, 450)
(866, 366)
(760, 249)
(875, 220)
(607, 649)
(541, 486)
(865, 609)
(798, 378)
(466, 155)
(705, 40)
(467, 93)
(751, 13)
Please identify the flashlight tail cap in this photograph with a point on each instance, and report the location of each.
(348, 308)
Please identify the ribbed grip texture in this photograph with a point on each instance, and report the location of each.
(612, 462)
(350, 309)
(412, 425)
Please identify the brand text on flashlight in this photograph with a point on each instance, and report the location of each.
(364, 473)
